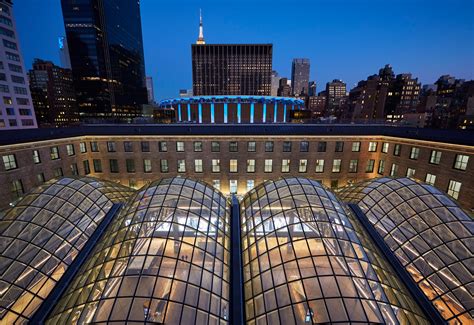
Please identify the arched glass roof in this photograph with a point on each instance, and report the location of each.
(42, 235)
(165, 259)
(429, 234)
(307, 261)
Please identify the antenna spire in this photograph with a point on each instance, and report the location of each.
(200, 39)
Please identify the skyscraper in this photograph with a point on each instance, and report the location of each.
(275, 83)
(106, 51)
(16, 110)
(232, 69)
(64, 52)
(300, 76)
(53, 95)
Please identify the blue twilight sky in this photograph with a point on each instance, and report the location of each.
(347, 40)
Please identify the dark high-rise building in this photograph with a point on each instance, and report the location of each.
(53, 94)
(300, 76)
(336, 98)
(284, 89)
(403, 97)
(232, 69)
(106, 51)
(367, 99)
(312, 89)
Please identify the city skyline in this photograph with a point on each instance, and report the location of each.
(399, 40)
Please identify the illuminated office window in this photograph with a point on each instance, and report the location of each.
(285, 165)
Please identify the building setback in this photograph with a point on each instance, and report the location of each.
(106, 51)
(232, 69)
(300, 76)
(16, 109)
(53, 95)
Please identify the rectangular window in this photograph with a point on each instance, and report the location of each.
(9, 161)
(285, 166)
(18, 80)
(435, 157)
(215, 146)
(250, 184)
(385, 146)
(233, 165)
(111, 146)
(7, 101)
(353, 166)
(322, 146)
(10, 45)
(180, 146)
(336, 165)
(58, 172)
(162, 146)
(454, 188)
(181, 166)
(147, 165)
(287, 146)
(74, 169)
(130, 163)
(82, 147)
(15, 68)
(334, 183)
(70, 149)
(370, 166)
(94, 146)
(268, 165)
(198, 165)
(460, 162)
(7, 32)
(414, 153)
(97, 165)
(217, 184)
(394, 170)
(36, 157)
(304, 146)
(216, 165)
(164, 168)
(128, 146)
(40, 178)
(430, 179)
(12, 56)
(145, 146)
(233, 147)
(22, 101)
(411, 172)
(250, 165)
(381, 167)
(114, 168)
(54, 153)
(268, 146)
(397, 149)
(303, 166)
(4, 89)
(251, 146)
(233, 186)
(20, 90)
(372, 146)
(319, 165)
(87, 167)
(339, 146)
(17, 188)
(197, 146)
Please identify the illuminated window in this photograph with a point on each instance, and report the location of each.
(250, 184)
(303, 166)
(233, 165)
(435, 157)
(54, 153)
(9, 161)
(250, 165)
(180, 146)
(164, 168)
(353, 166)
(217, 184)
(372, 146)
(147, 165)
(87, 168)
(181, 164)
(414, 153)
(285, 166)
(70, 149)
(430, 179)
(198, 165)
(454, 188)
(394, 170)
(251, 146)
(82, 147)
(111, 146)
(162, 146)
(460, 162)
(319, 165)
(216, 165)
(233, 186)
(215, 146)
(197, 146)
(411, 172)
(385, 146)
(370, 166)
(336, 165)
(381, 167)
(268, 165)
(397, 149)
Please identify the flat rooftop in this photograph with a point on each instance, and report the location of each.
(461, 137)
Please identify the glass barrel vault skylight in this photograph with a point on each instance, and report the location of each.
(429, 234)
(42, 235)
(164, 259)
(306, 261)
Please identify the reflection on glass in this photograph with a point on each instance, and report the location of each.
(305, 261)
(429, 234)
(41, 236)
(165, 259)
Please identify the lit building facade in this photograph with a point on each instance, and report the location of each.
(300, 76)
(232, 69)
(16, 108)
(233, 109)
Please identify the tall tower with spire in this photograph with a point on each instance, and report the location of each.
(200, 39)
